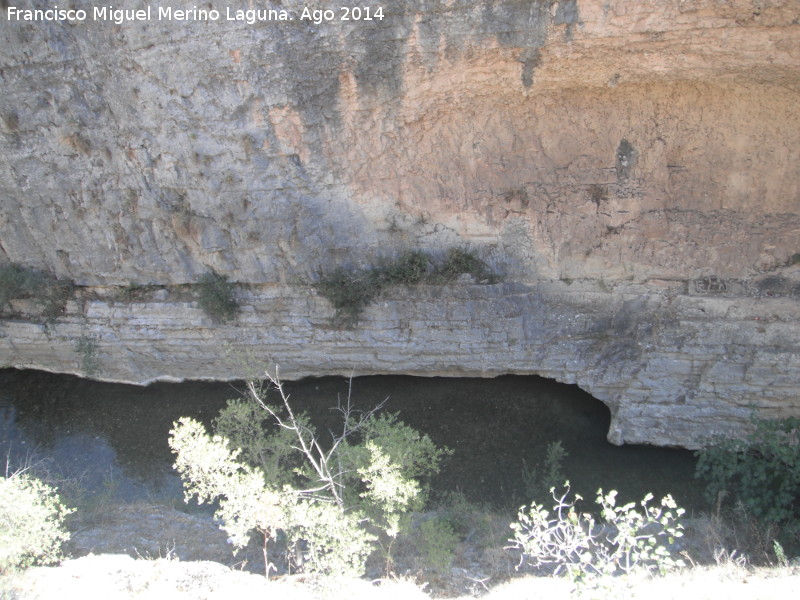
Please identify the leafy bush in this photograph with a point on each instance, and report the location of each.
(461, 261)
(216, 297)
(575, 544)
(438, 543)
(539, 480)
(272, 474)
(762, 470)
(49, 292)
(31, 522)
(351, 291)
(408, 269)
(261, 441)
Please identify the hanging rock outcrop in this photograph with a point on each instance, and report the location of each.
(631, 168)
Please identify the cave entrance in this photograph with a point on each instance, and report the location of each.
(497, 429)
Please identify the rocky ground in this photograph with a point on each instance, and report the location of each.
(140, 552)
(120, 576)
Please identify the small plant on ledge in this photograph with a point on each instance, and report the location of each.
(350, 291)
(49, 292)
(460, 261)
(216, 298)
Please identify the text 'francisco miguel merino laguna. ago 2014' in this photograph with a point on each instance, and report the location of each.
(168, 13)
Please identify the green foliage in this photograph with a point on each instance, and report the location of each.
(795, 259)
(408, 269)
(274, 475)
(640, 538)
(438, 543)
(780, 554)
(538, 481)
(31, 522)
(216, 296)
(762, 470)
(577, 545)
(49, 292)
(461, 261)
(211, 470)
(467, 519)
(350, 291)
(333, 541)
(261, 441)
(86, 347)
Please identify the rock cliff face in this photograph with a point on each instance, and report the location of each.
(632, 168)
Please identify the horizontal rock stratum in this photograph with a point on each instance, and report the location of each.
(631, 168)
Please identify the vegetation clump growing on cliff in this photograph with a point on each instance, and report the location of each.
(135, 291)
(461, 261)
(216, 296)
(49, 292)
(350, 291)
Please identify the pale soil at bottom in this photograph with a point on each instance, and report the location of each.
(114, 576)
(138, 552)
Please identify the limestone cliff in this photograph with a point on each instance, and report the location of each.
(632, 168)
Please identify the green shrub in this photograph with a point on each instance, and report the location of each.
(408, 269)
(216, 296)
(539, 480)
(762, 471)
(49, 292)
(261, 441)
(577, 545)
(461, 261)
(273, 474)
(467, 519)
(350, 291)
(31, 522)
(438, 543)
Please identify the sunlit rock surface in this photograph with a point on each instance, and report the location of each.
(632, 168)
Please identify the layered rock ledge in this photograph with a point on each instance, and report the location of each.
(632, 168)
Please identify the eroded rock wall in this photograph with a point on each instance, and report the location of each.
(633, 168)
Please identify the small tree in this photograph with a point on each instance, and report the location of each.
(762, 470)
(539, 480)
(31, 522)
(576, 544)
(272, 473)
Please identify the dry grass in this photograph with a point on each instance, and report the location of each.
(122, 577)
(146, 551)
